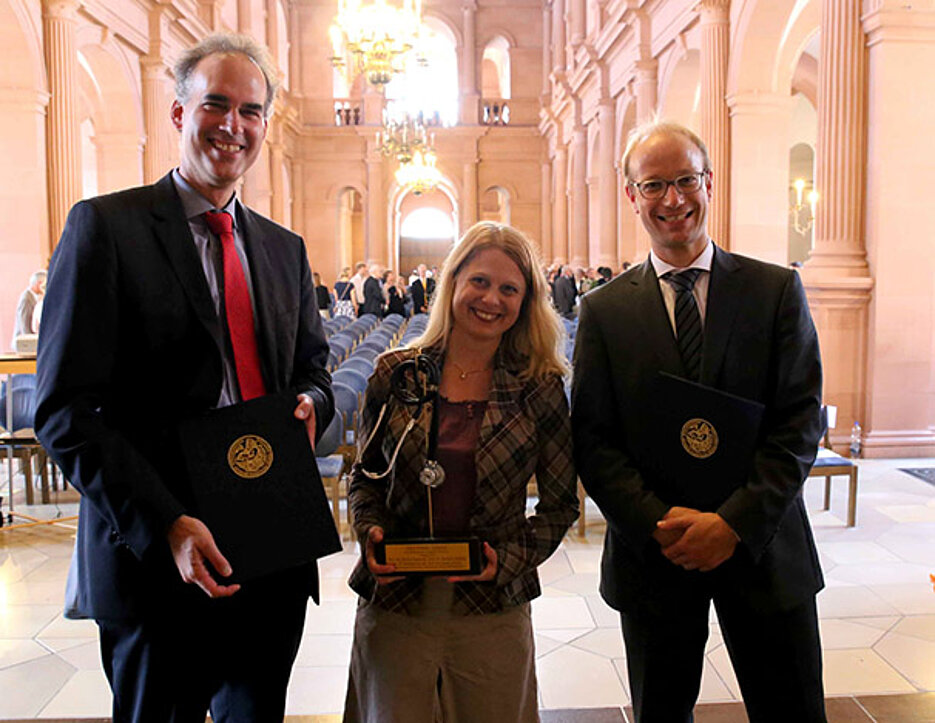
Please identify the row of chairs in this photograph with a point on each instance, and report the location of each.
(19, 441)
(366, 334)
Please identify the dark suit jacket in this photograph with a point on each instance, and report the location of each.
(760, 344)
(373, 296)
(564, 293)
(131, 344)
(421, 295)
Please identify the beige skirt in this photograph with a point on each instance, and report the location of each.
(435, 667)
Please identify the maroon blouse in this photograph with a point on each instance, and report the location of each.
(458, 431)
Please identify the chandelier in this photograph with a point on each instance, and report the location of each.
(803, 217)
(402, 138)
(379, 37)
(419, 174)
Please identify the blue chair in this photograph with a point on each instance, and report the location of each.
(368, 353)
(331, 466)
(355, 380)
(828, 464)
(339, 347)
(346, 402)
(19, 441)
(358, 364)
(378, 345)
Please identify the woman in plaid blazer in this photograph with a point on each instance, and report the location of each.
(461, 648)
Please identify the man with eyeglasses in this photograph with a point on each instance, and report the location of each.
(743, 327)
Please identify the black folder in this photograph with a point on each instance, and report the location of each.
(257, 488)
(701, 442)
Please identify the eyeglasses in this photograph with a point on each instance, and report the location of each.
(656, 188)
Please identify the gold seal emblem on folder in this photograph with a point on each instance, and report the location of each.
(699, 438)
(250, 456)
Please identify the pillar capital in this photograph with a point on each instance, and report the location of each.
(61, 9)
(714, 11)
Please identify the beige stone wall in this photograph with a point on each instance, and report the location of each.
(582, 73)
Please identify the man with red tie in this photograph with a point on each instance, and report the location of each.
(166, 301)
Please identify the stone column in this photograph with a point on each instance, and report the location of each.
(469, 194)
(627, 221)
(546, 201)
(156, 105)
(298, 199)
(546, 48)
(157, 91)
(276, 156)
(715, 117)
(295, 57)
(272, 33)
(645, 89)
(470, 97)
(560, 202)
(607, 238)
(375, 239)
(576, 21)
(836, 275)
(840, 156)
(558, 36)
(579, 197)
(63, 144)
(760, 175)
(898, 408)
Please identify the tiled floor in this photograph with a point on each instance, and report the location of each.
(877, 620)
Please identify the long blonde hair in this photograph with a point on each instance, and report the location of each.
(535, 342)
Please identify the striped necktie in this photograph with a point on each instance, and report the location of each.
(238, 308)
(688, 328)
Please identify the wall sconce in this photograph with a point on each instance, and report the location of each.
(803, 214)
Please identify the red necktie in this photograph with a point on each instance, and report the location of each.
(239, 310)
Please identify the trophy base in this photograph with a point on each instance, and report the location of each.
(426, 556)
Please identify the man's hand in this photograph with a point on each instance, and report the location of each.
(192, 544)
(666, 537)
(487, 574)
(305, 410)
(383, 572)
(706, 539)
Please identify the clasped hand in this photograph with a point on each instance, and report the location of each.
(695, 540)
(384, 573)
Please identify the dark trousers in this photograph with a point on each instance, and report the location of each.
(233, 656)
(776, 657)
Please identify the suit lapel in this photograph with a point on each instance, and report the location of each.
(172, 230)
(260, 268)
(723, 291)
(650, 313)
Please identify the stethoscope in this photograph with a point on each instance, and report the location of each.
(414, 383)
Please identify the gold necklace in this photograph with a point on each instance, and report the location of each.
(462, 375)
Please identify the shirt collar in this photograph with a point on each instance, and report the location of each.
(194, 204)
(702, 261)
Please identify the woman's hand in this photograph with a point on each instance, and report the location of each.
(382, 572)
(487, 574)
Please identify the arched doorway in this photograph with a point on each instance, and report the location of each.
(427, 230)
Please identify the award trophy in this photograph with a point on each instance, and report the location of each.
(425, 556)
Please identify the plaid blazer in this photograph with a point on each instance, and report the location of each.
(526, 431)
